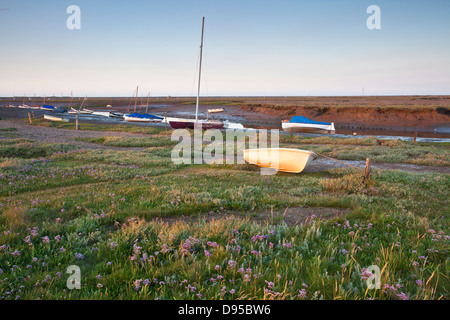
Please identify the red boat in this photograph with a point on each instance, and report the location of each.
(190, 124)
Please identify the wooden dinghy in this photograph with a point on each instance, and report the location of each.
(52, 118)
(281, 159)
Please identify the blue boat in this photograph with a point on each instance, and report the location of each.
(303, 124)
(137, 117)
(47, 107)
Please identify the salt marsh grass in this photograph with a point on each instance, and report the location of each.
(120, 215)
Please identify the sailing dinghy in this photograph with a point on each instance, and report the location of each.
(281, 159)
(303, 124)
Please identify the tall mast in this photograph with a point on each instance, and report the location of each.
(199, 70)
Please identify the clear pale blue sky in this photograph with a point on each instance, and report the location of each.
(251, 47)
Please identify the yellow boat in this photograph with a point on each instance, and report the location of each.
(282, 159)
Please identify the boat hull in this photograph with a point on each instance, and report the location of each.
(215, 110)
(101, 113)
(281, 159)
(190, 124)
(308, 128)
(52, 118)
(134, 119)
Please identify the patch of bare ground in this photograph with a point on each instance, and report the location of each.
(291, 216)
(324, 164)
(58, 135)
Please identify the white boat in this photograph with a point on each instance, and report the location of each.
(101, 113)
(73, 111)
(303, 124)
(24, 106)
(10, 106)
(86, 111)
(281, 159)
(232, 125)
(215, 110)
(52, 118)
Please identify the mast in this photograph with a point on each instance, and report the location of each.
(135, 100)
(146, 109)
(199, 70)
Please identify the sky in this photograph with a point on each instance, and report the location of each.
(251, 48)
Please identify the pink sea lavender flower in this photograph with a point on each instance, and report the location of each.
(366, 274)
(79, 255)
(302, 294)
(212, 244)
(231, 263)
(45, 239)
(402, 296)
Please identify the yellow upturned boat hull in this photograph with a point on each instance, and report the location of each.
(282, 159)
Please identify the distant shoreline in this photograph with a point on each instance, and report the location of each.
(372, 115)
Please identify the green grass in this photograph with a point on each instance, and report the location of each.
(113, 213)
(154, 141)
(99, 127)
(378, 150)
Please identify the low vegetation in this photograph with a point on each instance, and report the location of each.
(140, 227)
